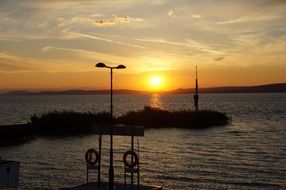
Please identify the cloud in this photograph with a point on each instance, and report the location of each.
(86, 56)
(4, 54)
(105, 22)
(251, 18)
(48, 19)
(105, 39)
(14, 64)
(134, 64)
(175, 12)
(195, 30)
(196, 16)
(160, 40)
(219, 58)
(187, 43)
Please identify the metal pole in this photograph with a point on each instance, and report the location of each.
(132, 149)
(86, 173)
(196, 96)
(111, 170)
(99, 161)
(138, 174)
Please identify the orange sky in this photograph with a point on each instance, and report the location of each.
(54, 45)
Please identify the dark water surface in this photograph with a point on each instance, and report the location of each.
(249, 153)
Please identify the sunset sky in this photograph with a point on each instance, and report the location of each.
(54, 44)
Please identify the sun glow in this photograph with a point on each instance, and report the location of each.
(155, 81)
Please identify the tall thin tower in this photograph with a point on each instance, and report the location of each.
(196, 95)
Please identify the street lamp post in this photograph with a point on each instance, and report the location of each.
(111, 170)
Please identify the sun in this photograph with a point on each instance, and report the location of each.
(155, 81)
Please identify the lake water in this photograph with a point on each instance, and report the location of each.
(249, 153)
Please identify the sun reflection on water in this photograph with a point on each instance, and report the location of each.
(155, 101)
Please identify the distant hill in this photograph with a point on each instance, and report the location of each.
(73, 92)
(279, 87)
(18, 92)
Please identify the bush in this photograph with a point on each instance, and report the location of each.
(155, 117)
(67, 121)
(70, 122)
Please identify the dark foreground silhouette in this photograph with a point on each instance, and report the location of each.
(61, 123)
(157, 118)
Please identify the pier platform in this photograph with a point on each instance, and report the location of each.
(117, 186)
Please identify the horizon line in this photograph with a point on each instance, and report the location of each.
(134, 90)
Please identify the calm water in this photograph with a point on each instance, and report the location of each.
(250, 153)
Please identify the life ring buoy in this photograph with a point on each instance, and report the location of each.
(135, 159)
(89, 157)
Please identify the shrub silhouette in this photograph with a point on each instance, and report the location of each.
(155, 117)
(67, 122)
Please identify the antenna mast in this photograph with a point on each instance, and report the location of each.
(196, 96)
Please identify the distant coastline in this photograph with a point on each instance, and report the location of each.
(268, 88)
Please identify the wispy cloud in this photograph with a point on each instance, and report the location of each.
(201, 47)
(10, 39)
(14, 64)
(175, 12)
(187, 43)
(85, 56)
(258, 17)
(178, 11)
(160, 40)
(146, 63)
(106, 40)
(144, 32)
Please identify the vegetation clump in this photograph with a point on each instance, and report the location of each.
(150, 117)
(15, 134)
(71, 122)
(155, 117)
(77, 123)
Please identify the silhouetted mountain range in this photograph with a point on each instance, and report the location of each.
(279, 87)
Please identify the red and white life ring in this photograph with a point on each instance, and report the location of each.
(134, 156)
(89, 157)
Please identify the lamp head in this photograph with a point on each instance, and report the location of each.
(120, 67)
(100, 65)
